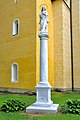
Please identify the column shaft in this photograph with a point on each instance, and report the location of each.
(43, 61)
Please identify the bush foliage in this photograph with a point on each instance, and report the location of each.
(71, 106)
(13, 105)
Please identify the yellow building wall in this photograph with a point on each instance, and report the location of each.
(58, 44)
(24, 49)
(62, 50)
(67, 78)
(48, 5)
(20, 49)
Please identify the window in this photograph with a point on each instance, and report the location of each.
(14, 70)
(15, 1)
(15, 27)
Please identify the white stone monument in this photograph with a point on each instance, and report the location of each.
(43, 103)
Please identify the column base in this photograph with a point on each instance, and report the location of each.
(39, 109)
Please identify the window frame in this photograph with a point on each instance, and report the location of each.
(14, 26)
(13, 80)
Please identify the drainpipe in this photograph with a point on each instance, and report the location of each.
(72, 67)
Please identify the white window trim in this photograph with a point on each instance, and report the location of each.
(14, 81)
(18, 27)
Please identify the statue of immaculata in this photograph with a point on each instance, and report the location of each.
(43, 21)
(43, 103)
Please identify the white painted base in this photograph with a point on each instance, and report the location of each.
(43, 91)
(39, 109)
(43, 102)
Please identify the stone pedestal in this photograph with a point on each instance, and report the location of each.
(43, 102)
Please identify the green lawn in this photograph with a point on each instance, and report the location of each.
(59, 98)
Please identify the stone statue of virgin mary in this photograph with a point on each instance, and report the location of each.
(43, 20)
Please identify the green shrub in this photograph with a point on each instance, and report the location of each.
(71, 106)
(13, 105)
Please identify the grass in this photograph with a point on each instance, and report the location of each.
(57, 97)
(13, 116)
(58, 117)
(27, 99)
(62, 97)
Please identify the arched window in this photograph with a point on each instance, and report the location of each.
(15, 1)
(14, 74)
(15, 27)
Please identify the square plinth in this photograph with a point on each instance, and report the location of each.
(42, 109)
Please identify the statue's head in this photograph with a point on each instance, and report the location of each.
(43, 9)
(44, 12)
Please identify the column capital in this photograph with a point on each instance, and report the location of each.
(43, 34)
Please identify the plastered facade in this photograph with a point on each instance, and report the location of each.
(24, 49)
